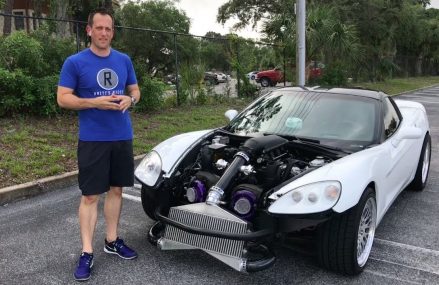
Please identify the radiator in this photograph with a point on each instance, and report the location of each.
(210, 217)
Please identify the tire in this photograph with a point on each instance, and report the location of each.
(253, 77)
(422, 170)
(342, 238)
(149, 202)
(265, 82)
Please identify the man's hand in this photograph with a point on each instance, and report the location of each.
(125, 102)
(109, 102)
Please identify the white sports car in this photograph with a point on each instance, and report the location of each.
(326, 162)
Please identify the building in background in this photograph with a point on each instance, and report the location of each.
(35, 9)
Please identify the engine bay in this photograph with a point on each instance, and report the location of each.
(239, 173)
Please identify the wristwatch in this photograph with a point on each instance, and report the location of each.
(133, 101)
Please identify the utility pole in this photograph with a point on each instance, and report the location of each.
(301, 45)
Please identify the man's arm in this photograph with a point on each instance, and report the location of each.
(134, 91)
(66, 99)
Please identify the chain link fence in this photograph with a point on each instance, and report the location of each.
(191, 68)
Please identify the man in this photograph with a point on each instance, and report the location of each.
(101, 83)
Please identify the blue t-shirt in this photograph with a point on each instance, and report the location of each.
(91, 76)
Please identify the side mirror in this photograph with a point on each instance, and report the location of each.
(407, 133)
(230, 114)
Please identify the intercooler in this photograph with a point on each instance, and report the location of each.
(211, 218)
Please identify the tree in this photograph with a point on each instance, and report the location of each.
(155, 51)
(60, 9)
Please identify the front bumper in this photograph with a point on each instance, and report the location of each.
(217, 232)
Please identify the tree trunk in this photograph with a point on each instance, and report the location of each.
(418, 69)
(62, 28)
(108, 4)
(7, 20)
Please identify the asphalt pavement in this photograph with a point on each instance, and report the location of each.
(40, 243)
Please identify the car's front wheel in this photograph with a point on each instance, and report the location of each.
(345, 241)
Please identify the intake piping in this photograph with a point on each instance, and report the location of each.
(216, 192)
(251, 148)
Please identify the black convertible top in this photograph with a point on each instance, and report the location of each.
(378, 95)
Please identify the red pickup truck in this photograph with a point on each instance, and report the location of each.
(269, 77)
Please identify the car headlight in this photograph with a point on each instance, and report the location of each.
(149, 169)
(306, 199)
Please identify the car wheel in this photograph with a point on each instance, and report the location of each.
(265, 82)
(253, 77)
(149, 203)
(345, 241)
(421, 176)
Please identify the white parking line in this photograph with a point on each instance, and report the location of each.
(390, 277)
(131, 197)
(408, 246)
(405, 255)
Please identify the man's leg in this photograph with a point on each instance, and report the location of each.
(88, 212)
(112, 208)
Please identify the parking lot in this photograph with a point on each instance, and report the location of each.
(40, 243)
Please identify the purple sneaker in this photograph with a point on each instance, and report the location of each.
(118, 247)
(83, 271)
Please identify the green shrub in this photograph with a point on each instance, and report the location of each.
(334, 75)
(24, 94)
(152, 91)
(16, 91)
(170, 101)
(55, 50)
(20, 51)
(45, 103)
(201, 97)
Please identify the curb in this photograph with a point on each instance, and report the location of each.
(415, 90)
(40, 186)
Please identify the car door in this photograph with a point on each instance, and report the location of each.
(399, 157)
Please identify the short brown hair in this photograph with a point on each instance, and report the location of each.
(101, 11)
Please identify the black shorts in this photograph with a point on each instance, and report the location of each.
(105, 164)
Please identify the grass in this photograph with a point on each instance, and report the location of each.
(32, 148)
(398, 85)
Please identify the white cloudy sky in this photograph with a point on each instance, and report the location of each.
(203, 18)
(434, 3)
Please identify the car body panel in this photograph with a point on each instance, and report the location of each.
(172, 149)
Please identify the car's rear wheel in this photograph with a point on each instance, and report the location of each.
(421, 176)
(345, 241)
(265, 82)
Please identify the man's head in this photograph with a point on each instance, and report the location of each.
(100, 28)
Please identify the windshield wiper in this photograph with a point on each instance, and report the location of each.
(330, 147)
(312, 142)
(295, 138)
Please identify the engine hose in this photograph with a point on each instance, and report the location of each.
(263, 263)
(154, 233)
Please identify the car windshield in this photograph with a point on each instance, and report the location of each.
(339, 120)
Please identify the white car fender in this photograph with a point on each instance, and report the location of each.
(175, 148)
(368, 167)
(365, 163)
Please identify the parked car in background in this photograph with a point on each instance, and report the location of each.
(315, 70)
(221, 77)
(269, 77)
(171, 78)
(252, 75)
(210, 78)
(322, 162)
